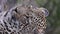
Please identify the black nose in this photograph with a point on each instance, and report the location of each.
(46, 12)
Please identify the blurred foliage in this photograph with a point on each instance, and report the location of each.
(53, 20)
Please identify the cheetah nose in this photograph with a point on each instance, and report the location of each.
(45, 11)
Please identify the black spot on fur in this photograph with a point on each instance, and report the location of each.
(8, 30)
(6, 33)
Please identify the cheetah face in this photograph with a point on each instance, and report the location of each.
(30, 18)
(24, 20)
(45, 11)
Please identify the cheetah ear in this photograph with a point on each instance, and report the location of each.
(14, 9)
(45, 11)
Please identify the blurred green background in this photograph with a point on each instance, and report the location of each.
(53, 20)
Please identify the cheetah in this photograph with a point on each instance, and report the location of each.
(23, 20)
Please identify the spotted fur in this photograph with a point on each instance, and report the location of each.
(23, 20)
